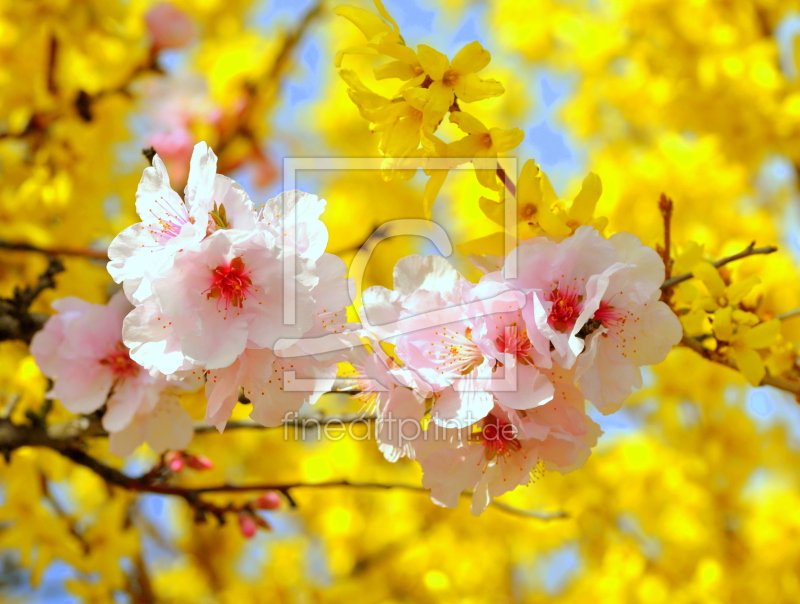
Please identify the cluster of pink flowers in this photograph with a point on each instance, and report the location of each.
(204, 279)
(81, 349)
(502, 367)
(485, 387)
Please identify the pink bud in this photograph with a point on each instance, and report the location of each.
(247, 524)
(169, 26)
(268, 501)
(199, 462)
(175, 460)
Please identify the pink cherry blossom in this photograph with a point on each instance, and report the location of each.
(170, 225)
(507, 448)
(395, 394)
(446, 330)
(278, 383)
(554, 277)
(633, 328)
(596, 302)
(81, 349)
(210, 307)
(215, 301)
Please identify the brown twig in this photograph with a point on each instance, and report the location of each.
(16, 322)
(306, 423)
(13, 436)
(665, 205)
(62, 513)
(271, 82)
(506, 180)
(715, 357)
(750, 250)
(26, 247)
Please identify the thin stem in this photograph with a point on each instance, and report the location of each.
(715, 357)
(750, 250)
(26, 247)
(506, 180)
(307, 423)
(13, 436)
(789, 314)
(665, 205)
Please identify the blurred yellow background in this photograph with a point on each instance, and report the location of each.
(693, 493)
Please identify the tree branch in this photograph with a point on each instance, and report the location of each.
(750, 250)
(506, 180)
(715, 357)
(665, 205)
(307, 423)
(16, 322)
(14, 436)
(26, 247)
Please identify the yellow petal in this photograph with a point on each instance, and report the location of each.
(439, 101)
(467, 147)
(584, 204)
(404, 138)
(414, 82)
(485, 161)
(763, 335)
(385, 14)
(386, 114)
(433, 62)
(471, 59)
(362, 96)
(750, 364)
(709, 275)
(470, 88)
(552, 224)
(398, 51)
(531, 190)
(395, 69)
(417, 97)
(528, 186)
(370, 24)
(353, 50)
(742, 317)
(505, 140)
(494, 210)
(694, 322)
(434, 145)
(467, 123)
(723, 327)
(432, 188)
(737, 291)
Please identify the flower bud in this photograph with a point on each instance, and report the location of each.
(199, 462)
(247, 524)
(176, 460)
(268, 501)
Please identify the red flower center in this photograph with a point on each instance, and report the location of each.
(230, 283)
(499, 438)
(514, 340)
(566, 308)
(119, 362)
(606, 314)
